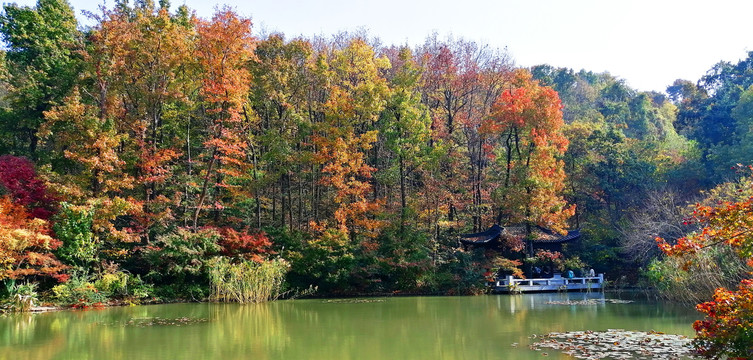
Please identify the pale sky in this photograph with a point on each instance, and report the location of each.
(649, 43)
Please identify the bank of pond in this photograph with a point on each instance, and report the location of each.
(473, 327)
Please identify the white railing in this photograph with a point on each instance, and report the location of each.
(553, 281)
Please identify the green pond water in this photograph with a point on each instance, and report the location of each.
(479, 327)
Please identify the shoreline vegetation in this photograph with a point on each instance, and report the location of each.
(311, 293)
(157, 155)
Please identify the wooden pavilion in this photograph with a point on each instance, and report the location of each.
(541, 238)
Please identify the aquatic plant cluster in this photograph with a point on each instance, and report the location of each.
(247, 281)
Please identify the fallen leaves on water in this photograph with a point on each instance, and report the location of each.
(589, 302)
(353, 301)
(617, 344)
(157, 321)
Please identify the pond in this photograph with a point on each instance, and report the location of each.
(479, 327)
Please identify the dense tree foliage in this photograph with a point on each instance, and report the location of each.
(715, 112)
(163, 131)
(26, 243)
(360, 159)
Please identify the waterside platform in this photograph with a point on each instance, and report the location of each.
(556, 283)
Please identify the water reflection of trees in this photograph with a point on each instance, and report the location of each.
(424, 327)
(23, 337)
(231, 332)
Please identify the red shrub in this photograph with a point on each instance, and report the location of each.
(726, 330)
(250, 246)
(19, 179)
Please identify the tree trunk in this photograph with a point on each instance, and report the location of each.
(204, 188)
(290, 200)
(403, 205)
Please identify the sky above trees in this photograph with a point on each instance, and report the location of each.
(648, 43)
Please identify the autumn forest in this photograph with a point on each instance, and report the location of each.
(157, 156)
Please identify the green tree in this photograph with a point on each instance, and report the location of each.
(740, 148)
(281, 158)
(73, 226)
(404, 129)
(42, 67)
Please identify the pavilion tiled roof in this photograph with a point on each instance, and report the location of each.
(542, 235)
(484, 237)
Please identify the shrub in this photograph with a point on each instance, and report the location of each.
(576, 264)
(178, 261)
(19, 179)
(547, 259)
(122, 285)
(79, 292)
(138, 289)
(73, 226)
(326, 261)
(113, 284)
(726, 330)
(693, 278)
(466, 270)
(506, 266)
(244, 244)
(403, 259)
(25, 245)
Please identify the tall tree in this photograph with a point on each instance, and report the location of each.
(404, 129)
(356, 97)
(526, 123)
(153, 82)
(280, 154)
(42, 67)
(224, 47)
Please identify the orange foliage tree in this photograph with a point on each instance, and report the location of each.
(26, 246)
(89, 141)
(152, 79)
(526, 141)
(356, 97)
(225, 46)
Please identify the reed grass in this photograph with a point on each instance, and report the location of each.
(22, 297)
(693, 278)
(246, 281)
